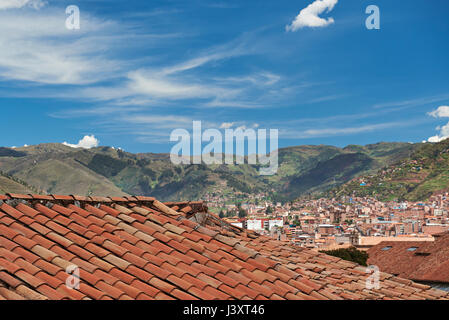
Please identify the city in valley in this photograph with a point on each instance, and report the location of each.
(329, 224)
(224, 150)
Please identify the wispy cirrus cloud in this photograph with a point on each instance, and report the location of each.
(410, 103)
(42, 50)
(87, 65)
(16, 4)
(342, 131)
(156, 86)
(122, 91)
(232, 49)
(162, 85)
(260, 79)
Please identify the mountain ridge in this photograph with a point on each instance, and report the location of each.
(414, 178)
(105, 171)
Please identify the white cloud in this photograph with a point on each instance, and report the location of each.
(159, 120)
(228, 103)
(228, 50)
(441, 112)
(344, 131)
(226, 125)
(174, 83)
(413, 102)
(157, 86)
(41, 49)
(293, 133)
(258, 79)
(86, 143)
(17, 4)
(443, 134)
(309, 17)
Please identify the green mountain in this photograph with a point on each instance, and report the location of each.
(413, 178)
(59, 169)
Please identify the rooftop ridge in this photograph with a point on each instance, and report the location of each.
(171, 207)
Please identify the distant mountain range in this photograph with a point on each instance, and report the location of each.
(413, 178)
(59, 169)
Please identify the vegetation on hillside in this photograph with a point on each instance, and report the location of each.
(415, 178)
(56, 168)
(9, 184)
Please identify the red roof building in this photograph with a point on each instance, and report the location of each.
(419, 261)
(72, 247)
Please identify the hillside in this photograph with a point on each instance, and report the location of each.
(56, 168)
(414, 178)
(9, 184)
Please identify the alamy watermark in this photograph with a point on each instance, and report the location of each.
(73, 20)
(212, 153)
(373, 280)
(373, 20)
(73, 279)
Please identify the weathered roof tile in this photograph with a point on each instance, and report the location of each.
(140, 248)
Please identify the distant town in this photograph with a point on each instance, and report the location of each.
(329, 224)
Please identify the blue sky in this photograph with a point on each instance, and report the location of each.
(136, 70)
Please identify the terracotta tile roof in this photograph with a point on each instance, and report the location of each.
(140, 248)
(419, 261)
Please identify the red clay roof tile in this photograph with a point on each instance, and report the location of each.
(47, 266)
(197, 257)
(81, 198)
(139, 273)
(88, 277)
(161, 285)
(91, 292)
(145, 287)
(9, 280)
(235, 293)
(62, 197)
(182, 295)
(71, 293)
(19, 196)
(216, 293)
(108, 277)
(113, 292)
(50, 292)
(201, 294)
(127, 250)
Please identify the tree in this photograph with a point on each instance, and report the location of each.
(242, 213)
(296, 222)
(350, 254)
